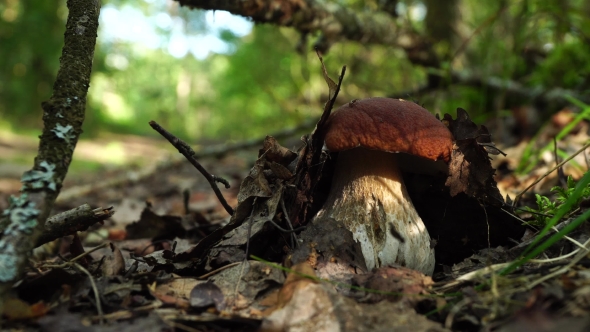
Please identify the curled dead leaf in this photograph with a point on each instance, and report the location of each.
(470, 170)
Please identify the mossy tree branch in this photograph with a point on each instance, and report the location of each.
(336, 23)
(333, 21)
(24, 220)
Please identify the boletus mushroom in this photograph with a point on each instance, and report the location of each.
(368, 195)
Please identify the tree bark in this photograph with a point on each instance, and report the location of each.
(441, 18)
(333, 21)
(24, 220)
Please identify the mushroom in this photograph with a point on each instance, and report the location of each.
(368, 195)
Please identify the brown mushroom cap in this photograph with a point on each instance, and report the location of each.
(392, 125)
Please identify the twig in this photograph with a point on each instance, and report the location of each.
(153, 244)
(291, 230)
(94, 288)
(207, 275)
(456, 308)
(189, 154)
(587, 145)
(517, 250)
(73, 263)
(564, 269)
(513, 89)
(316, 16)
(311, 155)
(487, 223)
(250, 222)
(221, 180)
(368, 28)
(67, 263)
(561, 178)
(245, 260)
(72, 221)
(63, 115)
(558, 258)
(214, 151)
(480, 273)
(476, 32)
(286, 230)
(186, 196)
(578, 244)
(293, 237)
(132, 269)
(334, 89)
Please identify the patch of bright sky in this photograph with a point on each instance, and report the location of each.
(416, 11)
(158, 29)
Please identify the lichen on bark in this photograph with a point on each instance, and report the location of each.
(65, 109)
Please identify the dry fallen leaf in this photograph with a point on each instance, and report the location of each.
(470, 170)
(114, 264)
(205, 295)
(15, 309)
(299, 277)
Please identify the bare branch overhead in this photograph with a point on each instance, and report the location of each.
(333, 21)
(336, 22)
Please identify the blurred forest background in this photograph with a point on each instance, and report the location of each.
(215, 77)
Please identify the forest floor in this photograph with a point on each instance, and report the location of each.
(163, 207)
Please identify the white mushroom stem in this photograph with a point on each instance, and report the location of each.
(369, 198)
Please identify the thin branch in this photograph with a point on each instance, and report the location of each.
(564, 269)
(225, 267)
(95, 289)
(72, 221)
(487, 22)
(298, 229)
(521, 247)
(332, 21)
(221, 180)
(69, 262)
(293, 237)
(513, 89)
(63, 115)
(215, 151)
(336, 22)
(517, 198)
(189, 154)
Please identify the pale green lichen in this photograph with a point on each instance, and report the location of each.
(8, 261)
(38, 179)
(22, 215)
(64, 132)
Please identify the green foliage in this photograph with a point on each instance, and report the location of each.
(261, 84)
(536, 248)
(547, 208)
(31, 35)
(532, 153)
(567, 66)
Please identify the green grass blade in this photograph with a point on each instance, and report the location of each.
(533, 250)
(550, 241)
(529, 160)
(563, 210)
